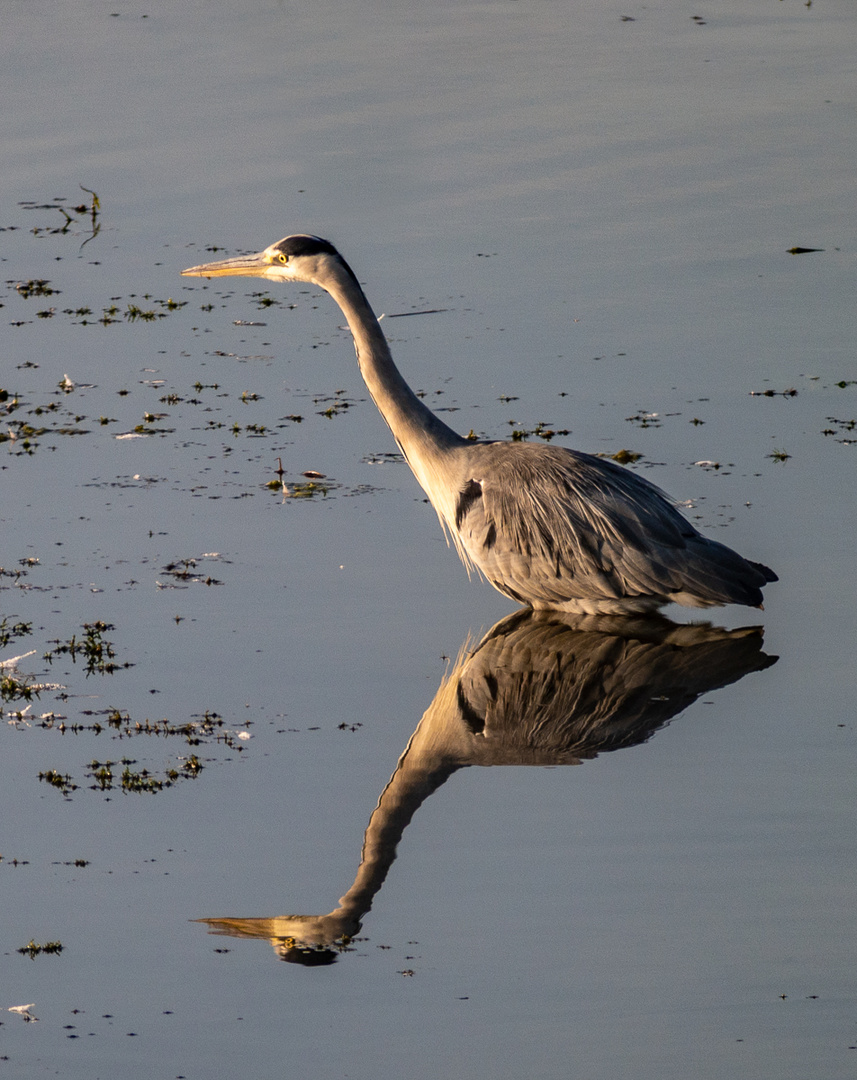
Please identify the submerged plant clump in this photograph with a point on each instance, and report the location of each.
(105, 774)
(541, 431)
(33, 949)
(209, 728)
(140, 781)
(626, 457)
(64, 784)
(34, 287)
(185, 570)
(305, 491)
(23, 433)
(839, 427)
(13, 688)
(108, 777)
(97, 653)
(645, 419)
(73, 214)
(338, 404)
(16, 630)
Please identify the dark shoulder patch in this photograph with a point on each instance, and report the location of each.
(466, 499)
(469, 715)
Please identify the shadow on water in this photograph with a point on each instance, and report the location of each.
(541, 688)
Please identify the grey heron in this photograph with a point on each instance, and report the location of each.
(549, 527)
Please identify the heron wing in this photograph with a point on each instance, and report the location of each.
(548, 525)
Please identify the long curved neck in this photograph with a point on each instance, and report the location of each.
(410, 785)
(422, 437)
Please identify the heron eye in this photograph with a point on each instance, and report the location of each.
(283, 258)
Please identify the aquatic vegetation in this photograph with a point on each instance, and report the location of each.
(791, 392)
(541, 431)
(33, 287)
(106, 774)
(34, 949)
(263, 300)
(15, 689)
(210, 727)
(387, 457)
(626, 457)
(839, 427)
(645, 419)
(64, 784)
(339, 404)
(94, 653)
(24, 436)
(141, 781)
(132, 313)
(305, 491)
(185, 570)
(82, 315)
(15, 630)
(98, 654)
(73, 215)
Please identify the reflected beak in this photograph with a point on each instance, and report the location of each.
(241, 266)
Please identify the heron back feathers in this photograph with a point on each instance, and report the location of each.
(555, 528)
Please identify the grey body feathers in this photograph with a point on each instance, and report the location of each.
(555, 528)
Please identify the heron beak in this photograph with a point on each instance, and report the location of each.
(241, 266)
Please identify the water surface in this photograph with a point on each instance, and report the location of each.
(601, 199)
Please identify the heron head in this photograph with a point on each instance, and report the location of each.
(295, 258)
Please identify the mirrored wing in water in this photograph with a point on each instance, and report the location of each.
(541, 688)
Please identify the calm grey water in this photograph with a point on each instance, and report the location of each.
(601, 198)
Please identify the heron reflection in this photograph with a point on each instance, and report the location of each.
(541, 688)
